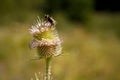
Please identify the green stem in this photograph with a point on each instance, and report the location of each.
(48, 68)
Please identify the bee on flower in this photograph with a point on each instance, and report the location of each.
(45, 37)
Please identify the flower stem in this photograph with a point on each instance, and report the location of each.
(48, 68)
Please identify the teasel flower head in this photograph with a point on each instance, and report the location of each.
(45, 37)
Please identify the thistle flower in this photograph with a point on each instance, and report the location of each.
(45, 38)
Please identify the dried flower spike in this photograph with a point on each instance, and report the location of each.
(46, 38)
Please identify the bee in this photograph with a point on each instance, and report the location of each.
(50, 19)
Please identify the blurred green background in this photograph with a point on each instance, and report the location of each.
(90, 30)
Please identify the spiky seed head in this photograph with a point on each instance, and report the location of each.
(45, 37)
